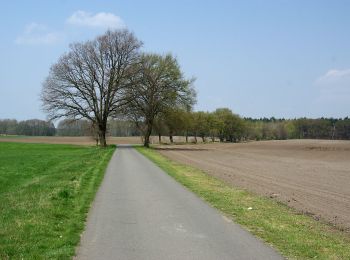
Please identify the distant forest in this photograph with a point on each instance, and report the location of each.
(221, 125)
(37, 127)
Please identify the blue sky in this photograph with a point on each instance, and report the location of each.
(259, 58)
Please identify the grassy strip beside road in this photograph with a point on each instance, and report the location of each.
(45, 193)
(295, 235)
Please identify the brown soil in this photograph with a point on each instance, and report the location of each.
(312, 176)
(86, 140)
(79, 140)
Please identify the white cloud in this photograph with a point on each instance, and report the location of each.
(334, 76)
(333, 91)
(37, 34)
(334, 81)
(98, 20)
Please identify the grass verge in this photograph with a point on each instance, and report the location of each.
(295, 235)
(45, 194)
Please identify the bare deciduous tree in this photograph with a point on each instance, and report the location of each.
(158, 85)
(91, 80)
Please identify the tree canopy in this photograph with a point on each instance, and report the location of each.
(158, 86)
(91, 80)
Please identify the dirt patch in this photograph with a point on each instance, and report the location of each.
(312, 176)
(86, 140)
(79, 140)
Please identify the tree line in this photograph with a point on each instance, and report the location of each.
(33, 127)
(221, 125)
(301, 128)
(225, 126)
(66, 127)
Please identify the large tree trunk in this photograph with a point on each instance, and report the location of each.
(102, 137)
(160, 138)
(148, 133)
(186, 137)
(146, 141)
(195, 138)
(171, 138)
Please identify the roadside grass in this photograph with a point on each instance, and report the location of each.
(45, 194)
(295, 235)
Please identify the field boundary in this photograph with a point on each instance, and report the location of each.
(295, 235)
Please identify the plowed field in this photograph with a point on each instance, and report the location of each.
(312, 176)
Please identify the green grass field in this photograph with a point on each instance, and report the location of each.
(295, 235)
(45, 193)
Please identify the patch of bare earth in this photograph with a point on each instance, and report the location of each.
(87, 140)
(312, 176)
(79, 140)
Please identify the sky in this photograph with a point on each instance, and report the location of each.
(263, 58)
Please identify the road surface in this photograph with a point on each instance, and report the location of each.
(141, 213)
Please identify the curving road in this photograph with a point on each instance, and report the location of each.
(141, 213)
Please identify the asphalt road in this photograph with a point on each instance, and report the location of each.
(142, 213)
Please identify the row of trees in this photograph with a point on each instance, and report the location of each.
(226, 126)
(37, 127)
(33, 127)
(301, 128)
(220, 125)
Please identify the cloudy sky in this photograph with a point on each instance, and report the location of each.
(259, 58)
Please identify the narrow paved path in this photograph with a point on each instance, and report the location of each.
(142, 213)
